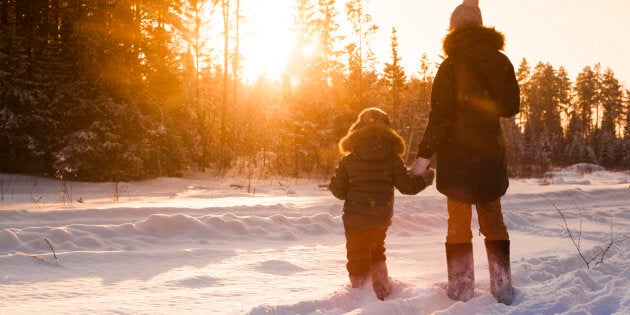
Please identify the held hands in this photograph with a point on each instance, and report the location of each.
(419, 166)
(428, 176)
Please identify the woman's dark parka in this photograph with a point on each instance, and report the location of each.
(474, 87)
(366, 176)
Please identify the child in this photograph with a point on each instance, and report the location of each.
(365, 178)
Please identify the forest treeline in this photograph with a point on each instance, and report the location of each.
(113, 90)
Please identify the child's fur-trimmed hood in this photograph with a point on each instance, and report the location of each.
(351, 141)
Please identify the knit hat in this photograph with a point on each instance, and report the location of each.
(466, 13)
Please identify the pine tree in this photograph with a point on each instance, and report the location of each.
(395, 77)
(415, 107)
(198, 77)
(575, 151)
(224, 137)
(362, 74)
(515, 149)
(327, 28)
(611, 95)
(563, 87)
(586, 90)
(544, 97)
(333, 80)
(310, 131)
(612, 102)
(523, 75)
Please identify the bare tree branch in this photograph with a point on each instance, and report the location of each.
(51, 248)
(599, 257)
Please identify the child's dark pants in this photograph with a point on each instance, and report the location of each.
(364, 248)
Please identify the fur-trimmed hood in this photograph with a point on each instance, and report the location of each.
(373, 142)
(467, 37)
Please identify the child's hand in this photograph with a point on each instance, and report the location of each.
(419, 166)
(428, 176)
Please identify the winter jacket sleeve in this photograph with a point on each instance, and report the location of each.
(404, 181)
(511, 96)
(443, 110)
(339, 182)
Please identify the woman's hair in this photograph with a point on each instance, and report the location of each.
(371, 116)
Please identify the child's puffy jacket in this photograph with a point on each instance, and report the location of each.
(367, 175)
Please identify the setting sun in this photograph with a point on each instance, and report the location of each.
(266, 40)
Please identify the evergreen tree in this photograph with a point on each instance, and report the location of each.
(198, 77)
(327, 32)
(362, 74)
(609, 147)
(515, 150)
(612, 103)
(523, 75)
(225, 154)
(586, 90)
(564, 87)
(531, 164)
(395, 78)
(544, 96)
(577, 150)
(309, 119)
(331, 84)
(413, 115)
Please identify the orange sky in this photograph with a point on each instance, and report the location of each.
(573, 34)
(566, 33)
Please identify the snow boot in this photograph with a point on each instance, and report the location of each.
(358, 281)
(499, 266)
(381, 282)
(461, 271)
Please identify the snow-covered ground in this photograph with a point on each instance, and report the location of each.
(197, 245)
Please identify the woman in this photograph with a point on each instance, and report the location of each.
(474, 87)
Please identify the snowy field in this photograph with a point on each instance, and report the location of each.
(197, 245)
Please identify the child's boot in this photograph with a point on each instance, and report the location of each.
(380, 280)
(358, 281)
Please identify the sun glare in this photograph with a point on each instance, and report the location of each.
(308, 51)
(266, 39)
